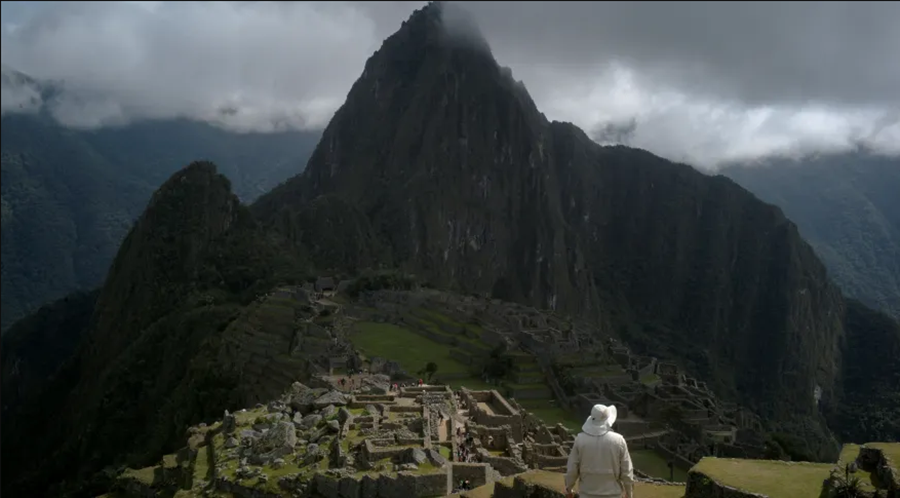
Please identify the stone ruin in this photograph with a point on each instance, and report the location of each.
(416, 441)
(646, 391)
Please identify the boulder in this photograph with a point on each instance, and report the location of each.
(229, 423)
(336, 456)
(335, 398)
(333, 426)
(344, 415)
(435, 458)
(304, 401)
(250, 434)
(309, 421)
(313, 455)
(414, 455)
(275, 443)
(329, 411)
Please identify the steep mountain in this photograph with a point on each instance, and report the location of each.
(147, 365)
(847, 207)
(36, 346)
(69, 196)
(440, 164)
(470, 186)
(870, 378)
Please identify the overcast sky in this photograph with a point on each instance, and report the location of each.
(693, 81)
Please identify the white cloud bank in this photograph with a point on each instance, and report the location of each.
(697, 82)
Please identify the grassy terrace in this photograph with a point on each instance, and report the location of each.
(556, 481)
(849, 453)
(775, 479)
(551, 414)
(432, 320)
(442, 318)
(412, 351)
(891, 450)
(655, 465)
(869, 480)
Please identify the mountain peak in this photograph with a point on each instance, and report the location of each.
(439, 26)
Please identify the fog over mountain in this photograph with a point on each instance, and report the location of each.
(697, 82)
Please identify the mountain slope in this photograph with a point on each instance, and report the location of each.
(68, 197)
(445, 184)
(847, 207)
(471, 187)
(147, 365)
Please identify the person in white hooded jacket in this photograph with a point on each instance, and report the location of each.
(599, 461)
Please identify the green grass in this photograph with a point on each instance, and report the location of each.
(445, 452)
(552, 415)
(775, 479)
(849, 452)
(537, 385)
(655, 465)
(471, 328)
(556, 482)
(145, 475)
(891, 450)
(412, 351)
(649, 379)
(469, 336)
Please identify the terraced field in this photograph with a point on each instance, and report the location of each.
(412, 351)
(775, 479)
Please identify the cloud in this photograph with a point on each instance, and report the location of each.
(701, 82)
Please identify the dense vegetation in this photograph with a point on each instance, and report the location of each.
(847, 207)
(69, 197)
(147, 367)
(871, 377)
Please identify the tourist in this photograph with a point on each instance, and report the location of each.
(599, 460)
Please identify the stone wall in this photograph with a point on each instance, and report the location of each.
(504, 465)
(701, 486)
(874, 460)
(384, 486)
(478, 474)
(242, 492)
(375, 453)
(524, 488)
(546, 461)
(668, 454)
(499, 405)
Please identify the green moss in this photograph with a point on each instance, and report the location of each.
(146, 475)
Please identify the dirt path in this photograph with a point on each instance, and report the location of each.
(442, 431)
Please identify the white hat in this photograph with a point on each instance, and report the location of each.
(601, 420)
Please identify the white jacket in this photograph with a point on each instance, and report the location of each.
(601, 465)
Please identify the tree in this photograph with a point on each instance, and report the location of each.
(430, 369)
